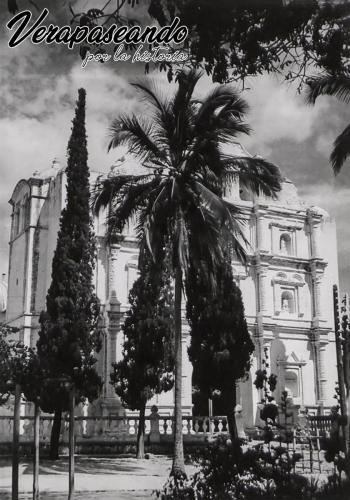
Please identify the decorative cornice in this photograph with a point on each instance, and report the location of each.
(290, 282)
(287, 227)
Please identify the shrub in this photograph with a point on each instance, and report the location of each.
(234, 471)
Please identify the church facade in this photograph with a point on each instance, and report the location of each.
(286, 288)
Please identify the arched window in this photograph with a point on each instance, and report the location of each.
(285, 244)
(16, 219)
(292, 383)
(287, 302)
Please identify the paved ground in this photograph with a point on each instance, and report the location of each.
(97, 478)
(97, 495)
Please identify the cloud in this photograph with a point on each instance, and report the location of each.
(278, 112)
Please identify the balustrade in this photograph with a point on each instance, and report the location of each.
(117, 427)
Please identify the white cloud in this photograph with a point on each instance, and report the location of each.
(279, 112)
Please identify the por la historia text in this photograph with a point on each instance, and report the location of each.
(155, 55)
(70, 36)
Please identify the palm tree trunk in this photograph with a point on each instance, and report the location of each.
(229, 397)
(55, 435)
(178, 468)
(140, 452)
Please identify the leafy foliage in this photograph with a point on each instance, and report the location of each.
(265, 380)
(221, 346)
(234, 39)
(147, 365)
(69, 332)
(13, 359)
(229, 471)
(19, 364)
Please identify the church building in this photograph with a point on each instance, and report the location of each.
(286, 288)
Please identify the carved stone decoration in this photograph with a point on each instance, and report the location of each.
(287, 292)
(290, 376)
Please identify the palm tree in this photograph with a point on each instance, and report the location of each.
(338, 86)
(179, 198)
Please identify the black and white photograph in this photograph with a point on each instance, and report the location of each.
(174, 249)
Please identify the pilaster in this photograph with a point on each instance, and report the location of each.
(319, 344)
(317, 272)
(262, 229)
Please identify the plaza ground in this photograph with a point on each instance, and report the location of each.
(97, 478)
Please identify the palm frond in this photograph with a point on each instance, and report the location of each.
(236, 107)
(163, 119)
(341, 150)
(137, 134)
(129, 201)
(224, 99)
(225, 214)
(257, 174)
(107, 188)
(228, 131)
(337, 86)
(187, 81)
(151, 95)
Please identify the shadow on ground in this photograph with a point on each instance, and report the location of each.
(96, 495)
(88, 465)
(95, 465)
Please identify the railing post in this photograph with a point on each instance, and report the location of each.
(154, 434)
(15, 442)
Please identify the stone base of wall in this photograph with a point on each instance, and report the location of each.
(101, 448)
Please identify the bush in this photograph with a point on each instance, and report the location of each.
(232, 471)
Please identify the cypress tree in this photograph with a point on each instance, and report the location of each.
(69, 333)
(148, 362)
(221, 346)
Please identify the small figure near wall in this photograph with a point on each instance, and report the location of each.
(285, 305)
(283, 246)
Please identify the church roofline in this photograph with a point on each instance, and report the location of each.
(20, 184)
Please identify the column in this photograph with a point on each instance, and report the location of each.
(113, 312)
(263, 231)
(315, 233)
(112, 270)
(262, 272)
(316, 276)
(322, 372)
(314, 337)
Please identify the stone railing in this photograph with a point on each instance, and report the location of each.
(158, 428)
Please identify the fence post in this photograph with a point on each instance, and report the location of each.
(36, 451)
(15, 442)
(340, 366)
(154, 435)
(71, 444)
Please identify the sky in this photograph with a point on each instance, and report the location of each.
(38, 89)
